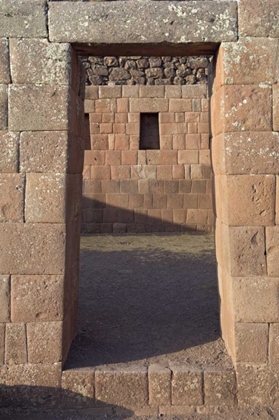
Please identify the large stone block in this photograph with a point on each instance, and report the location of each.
(258, 18)
(37, 375)
(44, 342)
(251, 342)
(11, 197)
(245, 153)
(247, 61)
(272, 250)
(42, 61)
(256, 299)
(159, 384)
(275, 92)
(273, 345)
(9, 143)
(242, 108)
(257, 385)
(3, 107)
(148, 105)
(23, 19)
(256, 194)
(247, 251)
(78, 388)
(126, 387)
(5, 297)
(4, 61)
(37, 298)
(219, 387)
(15, 346)
(187, 384)
(170, 23)
(45, 198)
(38, 107)
(27, 248)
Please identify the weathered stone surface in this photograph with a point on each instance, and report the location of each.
(186, 385)
(247, 251)
(219, 387)
(27, 248)
(2, 343)
(9, 143)
(23, 19)
(3, 107)
(45, 198)
(4, 61)
(15, 346)
(275, 94)
(257, 385)
(78, 388)
(274, 345)
(44, 342)
(148, 105)
(159, 380)
(251, 341)
(169, 23)
(258, 18)
(126, 387)
(246, 153)
(11, 197)
(39, 375)
(5, 298)
(42, 61)
(272, 250)
(37, 298)
(255, 299)
(38, 107)
(247, 61)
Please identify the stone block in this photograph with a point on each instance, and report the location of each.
(15, 346)
(28, 248)
(78, 388)
(38, 375)
(151, 91)
(45, 198)
(148, 105)
(66, 23)
(258, 19)
(44, 342)
(272, 250)
(188, 156)
(5, 298)
(3, 107)
(9, 143)
(11, 197)
(180, 105)
(187, 385)
(92, 92)
(38, 107)
(159, 384)
(23, 19)
(259, 64)
(251, 341)
(255, 299)
(257, 385)
(126, 387)
(245, 153)
(2, 344)
(37, 298)
(247, 251)
(4, 61)
(110, 92)
(273, 350)
(43, 62)
(275, 92)
(256, 194)
(194, 91)
(219, 387)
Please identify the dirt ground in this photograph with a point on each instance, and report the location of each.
(148, 298)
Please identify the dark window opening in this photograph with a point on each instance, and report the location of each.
(149, 131)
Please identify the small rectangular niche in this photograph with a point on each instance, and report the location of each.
(149, 131)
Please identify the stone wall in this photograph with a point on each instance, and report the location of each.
(145, 70)
(130, 190)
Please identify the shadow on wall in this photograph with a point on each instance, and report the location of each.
(144, 302)
(32, 402)
(188, 213)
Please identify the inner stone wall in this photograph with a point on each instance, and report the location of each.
(126, 189)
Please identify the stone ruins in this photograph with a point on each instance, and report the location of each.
(232, 128)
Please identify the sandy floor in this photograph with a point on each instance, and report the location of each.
(148, 298)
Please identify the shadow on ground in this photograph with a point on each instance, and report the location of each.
(147, 298)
